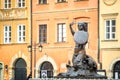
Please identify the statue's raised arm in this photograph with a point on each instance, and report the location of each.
(71, 29)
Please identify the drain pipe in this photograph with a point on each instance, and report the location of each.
(31, 35)
(98, 57)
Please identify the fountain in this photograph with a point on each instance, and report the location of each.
(83, 66)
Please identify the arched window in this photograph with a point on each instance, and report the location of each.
(46, 69)
(116, 70)
(1, 68)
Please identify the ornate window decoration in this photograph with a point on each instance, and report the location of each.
(109, 2)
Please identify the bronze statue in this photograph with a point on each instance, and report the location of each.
(83, 65)
(80, 44)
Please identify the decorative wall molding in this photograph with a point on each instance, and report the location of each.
(13, 13)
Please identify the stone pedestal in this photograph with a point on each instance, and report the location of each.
(84, 68)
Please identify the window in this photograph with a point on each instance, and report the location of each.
(1, 70)
(7, 34)
(116, 70)
(21, 3)
(61, 1)
(42, 1)
(7, 4)
(61, 32)
(21, 33)
(43, 33)
(110, 29)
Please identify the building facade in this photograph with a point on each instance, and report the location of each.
(14, 39)
(45, 22)
(109, 37)
(50, 27)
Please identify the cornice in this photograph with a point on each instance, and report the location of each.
(111, 48)
(65, 10)
(110, 14)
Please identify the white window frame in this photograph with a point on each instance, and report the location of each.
(21, 2)
(110, 33)
(61, 32)
(7, 4)
(7, 34)
(21, 33)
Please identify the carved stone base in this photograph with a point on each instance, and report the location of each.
(82, 68)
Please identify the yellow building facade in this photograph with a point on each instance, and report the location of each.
(14, 39)
(109, 37)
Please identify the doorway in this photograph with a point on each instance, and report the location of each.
(46, 70)
(116, 70)
(20, 69)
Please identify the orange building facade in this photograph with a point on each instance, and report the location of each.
(48, 25)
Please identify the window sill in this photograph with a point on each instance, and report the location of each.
(13, 43)
(80, 0)
(61, 42)
(21, 42)
(14, 8)
(42, 4)
(61, 2)
(115, 40)
(7, 8)
(21, 7)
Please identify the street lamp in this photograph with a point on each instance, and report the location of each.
(30, 48)
(40, 47)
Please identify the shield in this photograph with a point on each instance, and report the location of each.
(81, 37)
